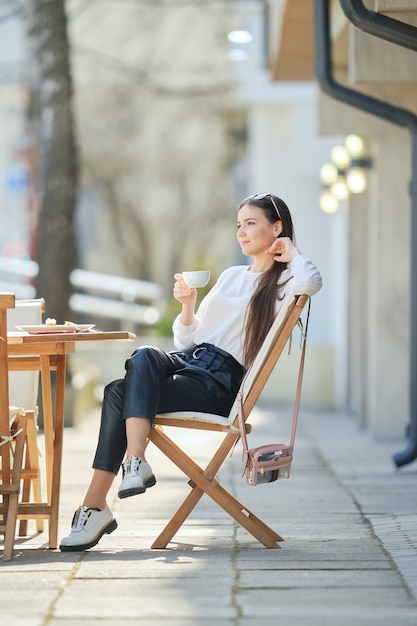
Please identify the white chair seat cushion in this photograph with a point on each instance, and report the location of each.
(196, 416)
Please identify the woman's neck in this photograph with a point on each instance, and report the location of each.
(261, 264)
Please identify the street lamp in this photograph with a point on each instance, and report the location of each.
(345, 174)
(328, 203)
(239, 40)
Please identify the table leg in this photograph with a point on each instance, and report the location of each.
(53, 423)
(58, 441)
(48, 421)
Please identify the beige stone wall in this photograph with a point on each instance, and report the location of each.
(285, 152)
(379, 234)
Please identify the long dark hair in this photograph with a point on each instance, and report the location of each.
(261, 309)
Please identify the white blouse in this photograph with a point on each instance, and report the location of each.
(220, 318)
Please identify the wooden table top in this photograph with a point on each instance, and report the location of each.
(98, 335)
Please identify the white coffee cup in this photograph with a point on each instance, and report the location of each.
(197, 278)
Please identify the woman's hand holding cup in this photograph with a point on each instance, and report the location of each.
(185, 295)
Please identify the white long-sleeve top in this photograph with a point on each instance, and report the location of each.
(220, 318)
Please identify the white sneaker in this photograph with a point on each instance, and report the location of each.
(137, 477)
(87, 528)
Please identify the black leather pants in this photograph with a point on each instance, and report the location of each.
(203, 378)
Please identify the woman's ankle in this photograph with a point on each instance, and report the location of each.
(139, 454)
(91, 504)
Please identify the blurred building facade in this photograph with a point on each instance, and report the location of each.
(368, 238)
(15, 157)
(358, 356)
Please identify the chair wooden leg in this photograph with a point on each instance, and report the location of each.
(23, 524)
(205, 484)
(10, 492)
(33, 469)
(10, 526)
(25, 496)
(178, 519)
(36, 482)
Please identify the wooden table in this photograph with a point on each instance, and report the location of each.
(48, 353)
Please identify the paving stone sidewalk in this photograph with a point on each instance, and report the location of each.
(349, 520)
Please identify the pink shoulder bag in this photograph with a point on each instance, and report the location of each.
(271, 462)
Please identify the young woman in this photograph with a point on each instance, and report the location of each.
(214, 347)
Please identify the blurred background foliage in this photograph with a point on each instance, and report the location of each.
(137, 136)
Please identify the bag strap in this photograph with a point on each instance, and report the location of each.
(300, 375)
(241, 418)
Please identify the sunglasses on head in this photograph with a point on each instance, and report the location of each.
(262, 196)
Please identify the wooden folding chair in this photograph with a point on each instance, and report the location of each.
(11, 459)
(205, 480)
